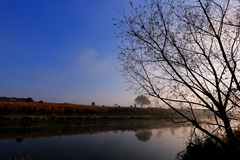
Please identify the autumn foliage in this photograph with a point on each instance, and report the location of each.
(57, 108)
(45, 108)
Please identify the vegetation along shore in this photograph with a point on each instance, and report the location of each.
(35, 111)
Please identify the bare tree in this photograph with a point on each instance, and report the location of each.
(186, 54)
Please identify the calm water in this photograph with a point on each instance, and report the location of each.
(94, 141)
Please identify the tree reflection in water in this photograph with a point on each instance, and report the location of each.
(19, 140)
(143, 135)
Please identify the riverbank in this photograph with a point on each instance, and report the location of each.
(42, 112)
(64, 118)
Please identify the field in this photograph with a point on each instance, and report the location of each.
(34, 111)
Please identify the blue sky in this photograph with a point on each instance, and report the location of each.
(61, 51)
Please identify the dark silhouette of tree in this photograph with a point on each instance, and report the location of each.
(19, 140)
(29, 99)
(142, 100)
(187, 55)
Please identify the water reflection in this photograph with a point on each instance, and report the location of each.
(141, 127)
(93, 140)
(19, 140)
(143, 135)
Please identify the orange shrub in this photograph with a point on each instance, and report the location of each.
(7, 108)
(43, 108)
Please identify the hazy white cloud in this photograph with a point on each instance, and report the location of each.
(93, 64)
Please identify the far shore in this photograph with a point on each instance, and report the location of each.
(14, 112)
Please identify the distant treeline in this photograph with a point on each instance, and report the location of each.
(14, 99)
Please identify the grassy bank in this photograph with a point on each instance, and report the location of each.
(34, 111)
(38, 118)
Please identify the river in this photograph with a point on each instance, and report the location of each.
(120, 140)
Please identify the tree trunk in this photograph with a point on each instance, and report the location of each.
(233, 140)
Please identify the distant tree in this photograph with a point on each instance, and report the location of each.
(93, 103)
(40, 101)
(142, 100)
(29, 99)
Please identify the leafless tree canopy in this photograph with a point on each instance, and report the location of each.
(186, 54)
